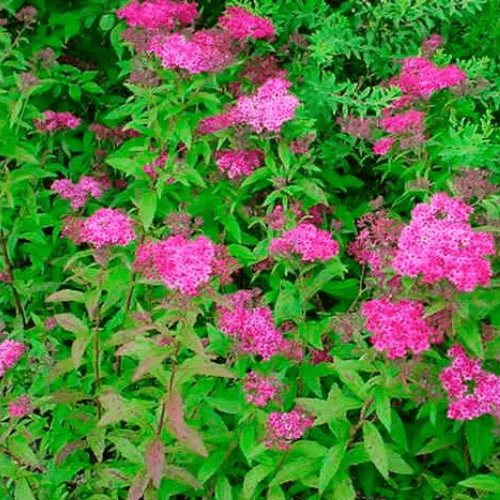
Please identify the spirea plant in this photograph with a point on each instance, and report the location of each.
(249, 250)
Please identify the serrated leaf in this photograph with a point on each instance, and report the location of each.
(66, 296)
(253, 478)
(78, 349)
(294, 471)
(147, 208)
(139, 486)
(127, 449)
(155, 461)
(107, 22)
(288, 305)
(383, 407)
(479, 440)
(71, 323)
(182, 476)
(330, 466)
(375, 447)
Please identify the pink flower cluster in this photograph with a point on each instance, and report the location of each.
(307, 241)
(106, 227)
(377, 241)
(116, 135)
(260, 390)
(253, 327)
(213, 124)
(269, 107)
(465, 405)
(282, 428)
(10, 352)
(20, 407)
(154, 14)
(419, 78)
(183, 264)
(238, 163)
(78, 193)
(439, 243)
(53, 121)
(241, 25)
(151, 169)
(206, 50)
(398, 326)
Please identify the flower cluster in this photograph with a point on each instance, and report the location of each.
(183, 264)
(78, 193)
(116, 135)
(151, 169)
(241, 25)
(154, 14)
(20, 407)
(206, 50)
(439, 243)
(376, 243)
(269, 107)
(260, 390)
(106, 227)
(282, 428)
(473, 183)
(10, 352)
(420, 78)
(212, 124)
(465, 405)
(53, 121)
(307, 241)
(238, 163)
(398, 326)
(253, 327)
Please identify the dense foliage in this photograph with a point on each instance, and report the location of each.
(249, 250)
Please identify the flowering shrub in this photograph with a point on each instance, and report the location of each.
(249, 250)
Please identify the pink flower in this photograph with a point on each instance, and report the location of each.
(383, 146)
(282, 428)
(238, 163)
(398, 327)
(410, 121)
(182, 264)
(108, 227)
(440, 244)
(253, 327)
(20, 407)
(206, 51)
(276, 219)
(154, 14)
(485, 395)
(213, 124)
(78, 193)
(269, 107)
(307, 241)
(10, 352)
(53, 121)
(242, 25)
(260, 390)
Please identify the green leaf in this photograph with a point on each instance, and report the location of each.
(231, 225)
(344, 489)
(242, 254)
(71, 323)
(66, 296)
(330, 466)
(397, 464)
(375, 447)
(480, 441)
(147, 208)
(23, 490)
(92, 88)
(486, 482)
(107, 22)
(184, 132)
(288, 305)
(223, 489)
(78, 349)
(469, 334)
(383, 407)
(294, 471)
(253, 478)
(211, 465)
(436, 484)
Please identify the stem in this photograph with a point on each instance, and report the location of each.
(96, 319)
(169, 390)
(8, 267)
